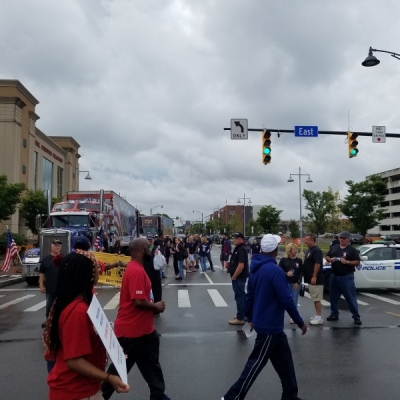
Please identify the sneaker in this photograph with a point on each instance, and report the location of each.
(318, 320)
(333, 317)
(236, 321)
(357, 321)
(313, 317)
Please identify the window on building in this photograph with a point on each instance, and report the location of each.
(395, 190)
(396, 215)
(395, 227)
(386, 192)
(60, 173)
(396, 202)
(385, 228)
(47, 179)
(395, 178)
(386, 215)
(231, 212)
(385, 203)
(35, 168)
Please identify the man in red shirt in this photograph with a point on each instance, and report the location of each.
(134, 325)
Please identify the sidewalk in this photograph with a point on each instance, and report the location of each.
(12, 276)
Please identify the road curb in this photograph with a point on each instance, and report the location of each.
(11, 281)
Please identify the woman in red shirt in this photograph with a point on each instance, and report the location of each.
(70, 337)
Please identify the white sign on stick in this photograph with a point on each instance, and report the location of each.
(107, 336)
(378, 134)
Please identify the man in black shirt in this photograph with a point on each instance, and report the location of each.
(48, 274)
(210, 243)
(255, 247)
(239, 271)
(343, 258)
(313, 275)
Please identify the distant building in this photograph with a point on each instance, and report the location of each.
(27, 155)
(391, 223)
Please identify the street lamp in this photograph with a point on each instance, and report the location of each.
(151, 209)
(301, 216)
(201, 219)
(244, 198)
(371, 60)
(87, 176)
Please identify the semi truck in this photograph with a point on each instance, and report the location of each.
(155, 225)
(80, 215)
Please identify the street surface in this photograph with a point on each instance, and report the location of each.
(202, 355)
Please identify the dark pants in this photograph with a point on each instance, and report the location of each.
(343, 285)
(144, 351)
(273, 347)
(176, 268)
(210, 261)
(156, 287)
(50, 297)
(240, 297)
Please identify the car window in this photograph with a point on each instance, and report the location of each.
(380, 254)
(397, 253)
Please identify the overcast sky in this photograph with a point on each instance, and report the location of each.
(147, 86)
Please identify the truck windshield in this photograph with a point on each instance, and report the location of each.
(61, 221)
(149, 230)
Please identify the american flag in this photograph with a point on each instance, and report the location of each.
(11, 252)
(99, 240)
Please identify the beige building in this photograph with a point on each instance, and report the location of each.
(27, 155)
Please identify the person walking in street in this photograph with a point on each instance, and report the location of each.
(226, 249)
(159, 243)
(268, 296)
(343, 258)
(178, 251)
(314, 276)
(255, 248)
(134, 325)
(196, 242)
(292, 266)
(153, 275)
(48, 275)
(239, 271)
(190, 249)
(80, 356)
(210, 243)
(204, 249)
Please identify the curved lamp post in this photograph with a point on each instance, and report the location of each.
(151, 209)
(371, 60)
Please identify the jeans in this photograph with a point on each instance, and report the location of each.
(203, 263)
(50, 297)
(343, 285)
(273, 347)
(240, 297)
(295, 293)
(143, 351)
(180, 268)
(210, 261)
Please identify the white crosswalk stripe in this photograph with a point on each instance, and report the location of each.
(36, 307)
(183, 298)
(361, 303)
(113, 303)
(16, 301)
(217, 298)
(375, 296)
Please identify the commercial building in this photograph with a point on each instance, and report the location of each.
(29, 156)
(391, 223)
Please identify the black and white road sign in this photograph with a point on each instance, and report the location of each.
(378, 134)
(239, 129)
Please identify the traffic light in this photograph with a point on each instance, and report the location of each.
(266, 147)
(352, 143)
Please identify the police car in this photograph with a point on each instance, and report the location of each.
(379, 267)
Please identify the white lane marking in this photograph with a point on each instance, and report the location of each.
(361, 303)
(217, 298)
(36, 307)
(374, 296)
(183, 298)
(16, 301)
(198, 284)
(19, 290)
(323, 302)
(208, 278)
(113, 303)
(395, 294)
(2, 295)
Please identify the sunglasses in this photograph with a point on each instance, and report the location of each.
(343, 238)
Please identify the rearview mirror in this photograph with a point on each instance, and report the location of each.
(364, 258)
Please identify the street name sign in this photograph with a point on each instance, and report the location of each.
(378, 134)
(306, 131)
(239, 129)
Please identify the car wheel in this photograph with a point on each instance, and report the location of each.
(327, 279)
(32, 280)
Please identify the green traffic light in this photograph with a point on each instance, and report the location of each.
(267, 150)
(354, 152)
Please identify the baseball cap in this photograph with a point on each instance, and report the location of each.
(270, 242)
(81, 242)
(238, 235)
(56, 241)
(150, 237)
(344, 234)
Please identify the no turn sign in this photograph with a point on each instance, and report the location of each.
(378, 134)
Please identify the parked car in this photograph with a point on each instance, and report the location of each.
(379, 267)
(370, 237)
(356, 238)
(395, 237)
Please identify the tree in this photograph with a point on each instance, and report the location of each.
(210, 226)
(254, 228)
(235, 225)
(360, 205)
(10, 196)
(294, 229)
(335, 218)
(269, 218)
(320, 205)
(32, 204)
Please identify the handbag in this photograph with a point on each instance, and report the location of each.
(159, 261)
(302, 290)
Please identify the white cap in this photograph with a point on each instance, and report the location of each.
(270, 242)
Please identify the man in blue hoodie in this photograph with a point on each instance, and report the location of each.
(268, 296)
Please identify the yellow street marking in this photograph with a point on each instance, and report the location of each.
(391, 313)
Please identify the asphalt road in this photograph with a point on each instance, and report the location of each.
(202, 355)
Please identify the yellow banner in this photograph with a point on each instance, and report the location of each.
(114, 275)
